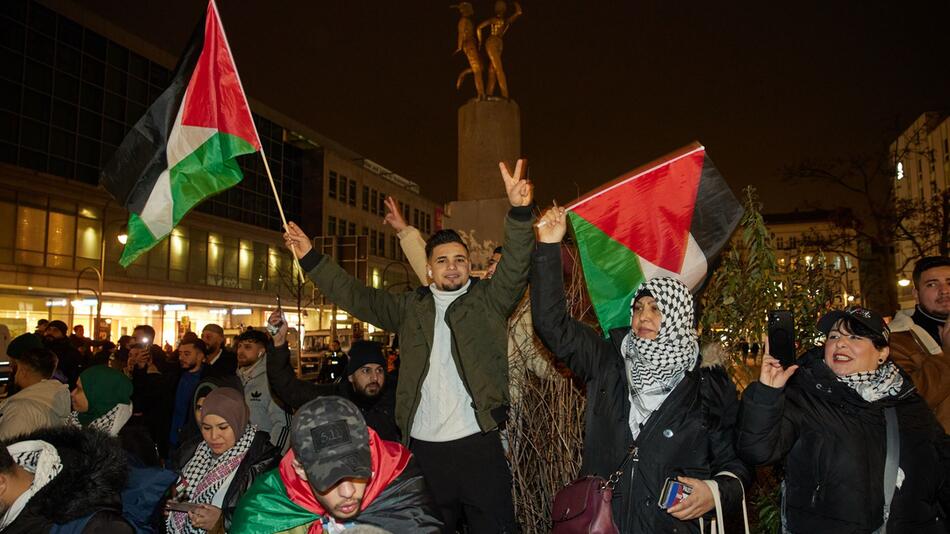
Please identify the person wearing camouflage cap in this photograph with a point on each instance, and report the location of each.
(338, 474)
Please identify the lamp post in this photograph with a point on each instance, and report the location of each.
(101, 270)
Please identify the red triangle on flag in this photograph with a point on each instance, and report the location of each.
(215, 97)
(650, 210)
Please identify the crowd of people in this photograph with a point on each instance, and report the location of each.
(134, 438)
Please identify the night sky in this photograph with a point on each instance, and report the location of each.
(604, 86)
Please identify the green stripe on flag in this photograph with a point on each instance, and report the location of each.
(210, 169)
(612, 272)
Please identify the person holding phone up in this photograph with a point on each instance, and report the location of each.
(649, 396)
(861, 450)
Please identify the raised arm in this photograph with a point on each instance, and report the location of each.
(413, 246)
(766, 431)
(507, 286)
(572, 342)
(376, 306)
(280, 375)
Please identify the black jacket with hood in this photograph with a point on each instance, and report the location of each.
(91, 481)
(260, 457)
(833, 444)
(380, 413)
(691, 434)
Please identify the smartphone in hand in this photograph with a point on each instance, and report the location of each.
(673, 493)
(782, 336)
(181, 506)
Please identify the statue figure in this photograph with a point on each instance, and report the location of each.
(498, 26)
(468, 45)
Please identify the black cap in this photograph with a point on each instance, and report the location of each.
(59, 325)
(871, 319)
(364, 353)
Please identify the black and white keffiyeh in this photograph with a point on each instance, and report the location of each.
(656, 366)
(110, 422)
(885, 381)
(203, 476)
(37, 457)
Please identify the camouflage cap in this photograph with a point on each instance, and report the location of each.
(330, 440)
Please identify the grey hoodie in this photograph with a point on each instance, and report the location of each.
(44, 404)
(265, 413)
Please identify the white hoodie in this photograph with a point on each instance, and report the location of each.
(43, 404)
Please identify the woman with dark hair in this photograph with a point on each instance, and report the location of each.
(861, 450)
(654, 410)
(216, 470)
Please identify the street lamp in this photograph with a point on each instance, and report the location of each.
(100, 271)
(903, 282)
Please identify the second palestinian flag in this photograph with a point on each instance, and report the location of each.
(667, 218)
(183, 150)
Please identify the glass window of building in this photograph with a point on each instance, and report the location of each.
(372, 242)
(341, 229)
(352, 228)
(8, 219)
(198, 257)
(374, 202)
(178, 254)
(382, 203)
(382, 244)
(331, 185)
(365, 198)
(393, 247)
(342, 195)
(273, 268)
(259, 272)
(331, 226)
(30, 235)
(415, 217)
(405, 211)
(230, 261)
(158, 261)
(60, 240)
(215, 260)
(245, 263)
(352, 193)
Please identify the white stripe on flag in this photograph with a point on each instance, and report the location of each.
(693, 269)
(182, 142)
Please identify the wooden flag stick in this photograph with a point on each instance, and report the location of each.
(283, 219)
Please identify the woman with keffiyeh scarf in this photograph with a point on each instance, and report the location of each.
(219, 468)
(648, 394)
(825, 417)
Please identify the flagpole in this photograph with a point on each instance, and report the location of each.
(283, 219)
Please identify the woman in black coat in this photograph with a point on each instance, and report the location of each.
(646, 391)
(826, 418)
(216, 470)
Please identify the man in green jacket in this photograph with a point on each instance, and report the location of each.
(452, 394)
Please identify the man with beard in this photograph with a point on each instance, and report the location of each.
(366, 384)
(338, 475)
(70, 360)
(920, 338)
(221, 361)
(191, 358)
(252, 370)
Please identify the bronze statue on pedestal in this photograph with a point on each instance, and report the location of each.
(468, 45)
(493, 45)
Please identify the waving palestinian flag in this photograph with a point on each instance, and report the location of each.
(670, 217)
(183, 150)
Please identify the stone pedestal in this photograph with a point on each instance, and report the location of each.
(489, 132)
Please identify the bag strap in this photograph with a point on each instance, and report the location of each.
(614, 478)
(719, 526)
(891, 463)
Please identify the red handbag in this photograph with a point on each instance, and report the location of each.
(584, 507)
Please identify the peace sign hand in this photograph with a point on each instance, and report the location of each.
(520, 190)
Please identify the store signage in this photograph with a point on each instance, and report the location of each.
(241, 311)
(51, 303)
(176, 307)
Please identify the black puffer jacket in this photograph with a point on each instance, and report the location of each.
(833, 444)
(93, 476)
(380, 413)
(691, 434)
(261, 457)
